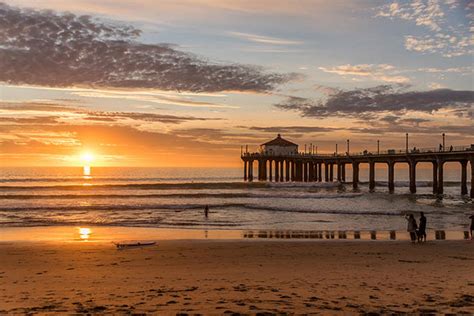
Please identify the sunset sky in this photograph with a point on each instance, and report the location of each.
(186, 83)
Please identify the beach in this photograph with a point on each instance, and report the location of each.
(237, 276)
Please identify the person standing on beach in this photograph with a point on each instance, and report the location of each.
(206, 211)
(411, 228)
(422, 228)
(472, 225)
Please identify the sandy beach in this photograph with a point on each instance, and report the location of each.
(246, 276)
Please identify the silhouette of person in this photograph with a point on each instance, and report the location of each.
(472, 225)
(440, 147)
(451, 148)
(422, 228)
(411, 227)
(206, 211)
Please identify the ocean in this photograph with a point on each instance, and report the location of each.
(176, 197)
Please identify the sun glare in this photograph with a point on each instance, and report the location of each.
(84, 233)
(87, 157)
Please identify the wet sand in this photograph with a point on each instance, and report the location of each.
(244, 276)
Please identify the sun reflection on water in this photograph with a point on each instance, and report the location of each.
(86, 172)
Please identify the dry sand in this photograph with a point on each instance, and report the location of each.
(216, 277)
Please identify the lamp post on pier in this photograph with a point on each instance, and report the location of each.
(406, 143)
(378, 147)
(336, 149)
(444, 141)
(348, 147)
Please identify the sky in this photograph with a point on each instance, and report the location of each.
(187, 83)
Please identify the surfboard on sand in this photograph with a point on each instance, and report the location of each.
(125, 245)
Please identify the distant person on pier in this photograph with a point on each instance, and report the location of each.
(411, 227)
(422, 228)
(440, 147)
(206, 211)
(472, 225)
(451, 148)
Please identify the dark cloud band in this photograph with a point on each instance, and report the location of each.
(385, 98)
(62, 50)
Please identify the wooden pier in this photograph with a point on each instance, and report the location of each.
(309, 167)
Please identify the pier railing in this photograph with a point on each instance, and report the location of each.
(413, 150)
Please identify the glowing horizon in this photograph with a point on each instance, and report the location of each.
(220, 83)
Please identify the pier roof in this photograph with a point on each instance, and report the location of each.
(279, 141)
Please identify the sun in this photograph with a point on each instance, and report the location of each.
(87, 157)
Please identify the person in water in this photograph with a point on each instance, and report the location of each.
(422, 228)
(411, 227)
(206, 211)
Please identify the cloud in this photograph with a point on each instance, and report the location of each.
(449, 40)
(385, 98)
(448, 46)
(159, 98)
(461, 70)
(30, 120)
(293, 129)
(435, 85)
(37, 106)
(428, 13)
(145, 117)
(264, 39)
(52, 49)
(377, 72)
(76, 113)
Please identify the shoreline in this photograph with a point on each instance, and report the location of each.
(107, 234)
(237, 276)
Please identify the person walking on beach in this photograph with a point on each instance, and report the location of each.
(422, 228)
(206, 211)
(411, 227)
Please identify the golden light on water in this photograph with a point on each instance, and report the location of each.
(86, 170)
(84, 233)
(87, 158)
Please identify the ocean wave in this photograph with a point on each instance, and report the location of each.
(209, 185)
(113, 179)
(186, 207)
(260, 195)
(140, 186)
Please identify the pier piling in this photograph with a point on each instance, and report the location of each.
(371, 175)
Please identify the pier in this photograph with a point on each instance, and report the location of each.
(281, 166)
